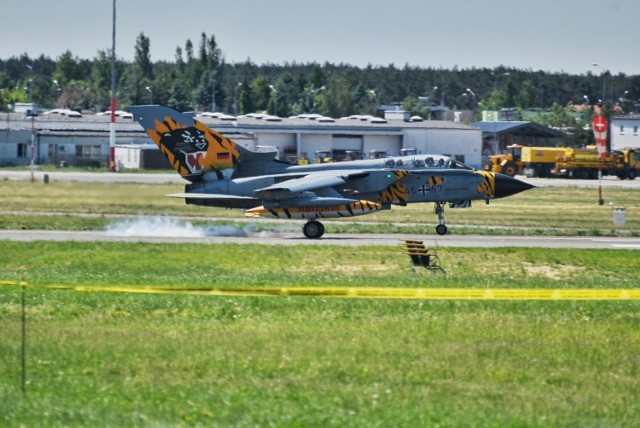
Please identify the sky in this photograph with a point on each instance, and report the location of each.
(549, 35)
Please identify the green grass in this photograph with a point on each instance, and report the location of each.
(550, 211)
(110, 359)
(102, 169)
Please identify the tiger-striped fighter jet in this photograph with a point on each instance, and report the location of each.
(224, 174)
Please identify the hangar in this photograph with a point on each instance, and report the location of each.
(85, 141)
(497, 135)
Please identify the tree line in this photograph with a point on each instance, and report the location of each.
(200, 79)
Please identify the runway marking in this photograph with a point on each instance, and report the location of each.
(367, 292)
(627, 246)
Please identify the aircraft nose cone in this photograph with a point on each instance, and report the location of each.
(507, 186)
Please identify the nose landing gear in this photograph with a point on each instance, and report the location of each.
(441, 228)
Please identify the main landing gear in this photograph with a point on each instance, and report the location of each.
(313, 229)
(441, 228)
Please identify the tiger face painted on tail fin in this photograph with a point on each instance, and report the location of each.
(192, 148)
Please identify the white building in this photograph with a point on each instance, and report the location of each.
(86, 140)
(303, 136)
(625, 132)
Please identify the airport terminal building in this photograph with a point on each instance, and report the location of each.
(85, 141)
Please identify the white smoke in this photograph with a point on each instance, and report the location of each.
(164, 227)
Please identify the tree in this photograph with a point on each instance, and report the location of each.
(317, 78)
(339, 100)
(203, 93)
(75, 95)
(208, 69)
(142, 60)
(261, 92)
(68, 68)
(526, 96)
(137, 79)
(179, 65)
(246, 103)
(99, 92)
(165, 76)
(11, 96)
(179, 98)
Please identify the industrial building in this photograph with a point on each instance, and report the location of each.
(85, 141)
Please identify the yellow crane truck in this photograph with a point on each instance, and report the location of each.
(583, 163)
(531, 161)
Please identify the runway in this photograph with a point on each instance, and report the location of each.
(345, 240)
(296, 238)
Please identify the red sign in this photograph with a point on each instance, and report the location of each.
(600, 132)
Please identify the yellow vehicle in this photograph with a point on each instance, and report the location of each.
(531, 161)
(584, 163)
(323, 156)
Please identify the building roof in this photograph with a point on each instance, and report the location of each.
(633, 117)
(531, 129)
(230, 124)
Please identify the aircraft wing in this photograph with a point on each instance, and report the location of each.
(320, 181)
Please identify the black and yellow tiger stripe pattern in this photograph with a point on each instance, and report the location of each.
(488, 184)
(395, 193)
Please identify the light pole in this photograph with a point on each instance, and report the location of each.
(322, 88)
(150, 90)
(495, 106)
(634, 103)
(275, 100)
(604, 80)
(433, 95)
(473, 99)
(314, 94)
(495, 84)
(32, 113)
(30, 83)
(213, 92)
(235, 99)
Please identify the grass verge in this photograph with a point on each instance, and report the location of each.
(557, 211)
(131, 360)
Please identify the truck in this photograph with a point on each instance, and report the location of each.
(585, 163)
(531, 161)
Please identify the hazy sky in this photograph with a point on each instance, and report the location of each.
(548, 35)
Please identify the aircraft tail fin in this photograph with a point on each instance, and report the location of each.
(192, 148)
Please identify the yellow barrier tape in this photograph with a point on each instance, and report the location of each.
(370, 293)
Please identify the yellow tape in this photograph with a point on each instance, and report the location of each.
(371, 292)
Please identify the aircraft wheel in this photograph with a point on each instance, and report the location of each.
(582, 174)
(313, 229)
(510, 168)
(441, 229)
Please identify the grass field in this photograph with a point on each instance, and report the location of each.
(117, 359)
(164, 360)
(551, 211)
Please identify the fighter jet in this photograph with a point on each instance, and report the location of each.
(221, 173)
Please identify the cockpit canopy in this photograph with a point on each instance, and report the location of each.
(444, 162)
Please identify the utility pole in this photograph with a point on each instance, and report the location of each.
(112, 124)
(33, 145)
